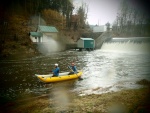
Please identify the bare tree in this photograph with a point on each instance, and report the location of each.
(131, 20)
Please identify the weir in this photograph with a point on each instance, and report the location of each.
(129, 39)
(128, 44)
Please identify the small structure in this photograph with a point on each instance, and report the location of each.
(48, 32)
(101, 28)
(86, 43)
(44, 34)
(36, 36)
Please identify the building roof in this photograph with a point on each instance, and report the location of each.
(36, 34)
(86, 39)
(48, 29)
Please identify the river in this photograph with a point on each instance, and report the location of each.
(103, 71)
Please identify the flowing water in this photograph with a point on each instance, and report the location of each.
(114, 67)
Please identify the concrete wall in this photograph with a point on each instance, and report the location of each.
(50, 35)
(80, 43)
(103, 37)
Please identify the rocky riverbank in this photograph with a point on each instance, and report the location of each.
(125, 101)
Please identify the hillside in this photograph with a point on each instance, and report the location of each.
(19, 18)
(15, 39)
(14, 36)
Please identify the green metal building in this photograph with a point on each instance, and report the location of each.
(86, 43)
(44, 34)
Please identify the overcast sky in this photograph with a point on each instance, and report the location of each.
(100, 11)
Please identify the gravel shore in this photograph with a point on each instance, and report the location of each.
(125, 101)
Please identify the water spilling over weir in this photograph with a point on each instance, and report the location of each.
(131, 44)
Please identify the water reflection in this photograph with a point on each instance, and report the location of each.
(111, 71)
(103, 71)
(17, 76)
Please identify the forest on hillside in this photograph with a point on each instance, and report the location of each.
(16, 21)
(35, 7)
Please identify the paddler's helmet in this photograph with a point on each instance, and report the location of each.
(56, 64)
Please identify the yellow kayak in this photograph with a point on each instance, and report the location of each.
(62, 77)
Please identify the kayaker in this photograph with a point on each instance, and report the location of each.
(56, 71)
(73, 68)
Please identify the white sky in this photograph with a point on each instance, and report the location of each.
(100, 11)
